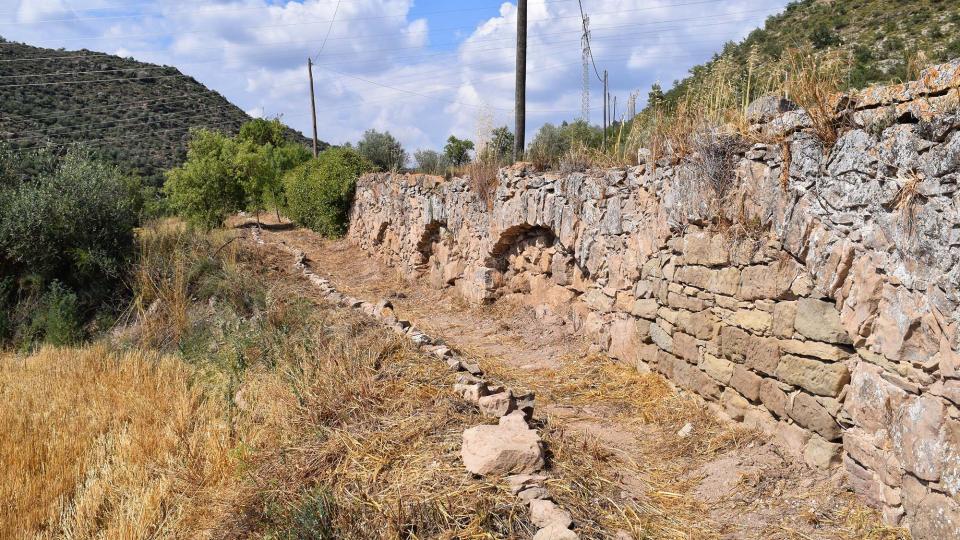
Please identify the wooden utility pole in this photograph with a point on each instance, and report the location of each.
(606, 110)
(521, 95)
(313, 105)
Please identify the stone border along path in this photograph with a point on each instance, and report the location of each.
(511, 447)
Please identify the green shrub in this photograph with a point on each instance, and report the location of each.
(320, 191)
(59, 319)
(431, 161)
(66, 238)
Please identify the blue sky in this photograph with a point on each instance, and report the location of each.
(422, 69)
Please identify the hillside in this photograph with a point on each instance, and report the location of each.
(135, 114)
(884, 39)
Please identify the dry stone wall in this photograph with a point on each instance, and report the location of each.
(818, 300)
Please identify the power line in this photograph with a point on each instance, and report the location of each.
(396, 15)
(452, 53)
(586, 35)
(329, 28)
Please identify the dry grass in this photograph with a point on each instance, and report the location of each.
(483, 177)
(814, 83)
(105, 444)
(277, 417)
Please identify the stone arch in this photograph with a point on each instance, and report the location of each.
(430, 236)
(529, 260)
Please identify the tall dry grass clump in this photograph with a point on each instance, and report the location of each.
(814, 83)
(106, 444)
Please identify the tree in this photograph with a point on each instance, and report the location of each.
(383, 150)
(457, 151)
(655, 98)
(205, 189)
(430, 161)
(320, 191)
(500, 147)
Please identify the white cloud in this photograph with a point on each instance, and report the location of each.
(379, 68)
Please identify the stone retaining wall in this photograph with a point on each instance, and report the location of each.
(816, 300)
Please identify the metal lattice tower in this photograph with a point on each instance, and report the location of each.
(585, 95)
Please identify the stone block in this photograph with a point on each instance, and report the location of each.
(871, 401)
(754, 320)
(734, 342)
(705, 249)
(685, 346)
(701, 325)
(816, 349)
(820, 321)
(784, 316)
(860, 447)
(646, 308)
(762, 354)
(627, 337)
(719, 368)
(769, 281)
(598, 301)
(917, 437)
(792, 437)
(746, 382)
(808, 412)
(661, 337)
(690, 377)
(734, 405)
(821, 454)
(682, 301)
(501, 449)
(825, 379)
(774, 398)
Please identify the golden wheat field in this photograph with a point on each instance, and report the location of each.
(103, 443)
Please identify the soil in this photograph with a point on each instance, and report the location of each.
(756, 490)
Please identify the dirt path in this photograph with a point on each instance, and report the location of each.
(614, 432)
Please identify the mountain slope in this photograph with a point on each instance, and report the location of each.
(886, 39)
(135, 114)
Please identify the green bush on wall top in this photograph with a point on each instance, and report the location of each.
(320, 191)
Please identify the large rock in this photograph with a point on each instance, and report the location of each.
(545, 513)
(555, 532)
(819, 320)
(822, 378)
(506, 448)
(917, 436)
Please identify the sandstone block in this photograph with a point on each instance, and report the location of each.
(774, 398)
(917, 437)
(501, 449)
(746, 382)
(703, 248)
(545, 513)
(718, 368)
(792, 437)
(661, 337)
(769, 281)
(817, 349)
(682, 301)
(598, 301)
(937, 516)
(754, 320)
(646, 308)
(497, 405)
(627, 337)
(821, 454)
(733, 342)
(784, 316)
(734, 404)
(820, 321)
(701, 325)
(685, 346)
(860, 447)
(807, 412)
(762, 354)
(760, 420)
(871, 400)
(691, 378)
(825, 379)
(555, 532)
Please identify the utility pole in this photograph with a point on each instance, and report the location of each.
(606, 110)
(313, 105)
(521, 96)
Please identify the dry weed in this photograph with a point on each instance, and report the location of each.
(104, 444)
(814, 82)
(483, 179)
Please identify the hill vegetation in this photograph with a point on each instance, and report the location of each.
(881, 42)
(133, 114)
